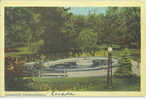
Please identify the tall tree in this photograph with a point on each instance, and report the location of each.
(53, 20)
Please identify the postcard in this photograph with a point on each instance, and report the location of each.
(72, 48)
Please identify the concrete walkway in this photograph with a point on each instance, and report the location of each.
(135, 67)
(96, 73)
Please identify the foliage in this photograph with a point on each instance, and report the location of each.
(125, 66)
(13, 75)
(36, 47)
(62, 31)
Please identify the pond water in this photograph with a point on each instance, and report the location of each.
(65, 67)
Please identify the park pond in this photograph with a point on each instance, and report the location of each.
(70, 67)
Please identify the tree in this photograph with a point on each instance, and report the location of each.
(70, 32)
(111, 26)
(53, 21)
(87, 39)
(131, 26)
(22, 26)
(125, 66)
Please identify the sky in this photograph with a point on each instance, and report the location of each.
(85, 10)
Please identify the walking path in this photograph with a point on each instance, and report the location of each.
(135, 67)
(96, 73)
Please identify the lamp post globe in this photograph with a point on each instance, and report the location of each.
(110, 49)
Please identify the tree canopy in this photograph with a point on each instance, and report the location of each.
(55, 29)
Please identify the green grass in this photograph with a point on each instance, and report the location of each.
(116, 53)
(20, 51)
(81, 84)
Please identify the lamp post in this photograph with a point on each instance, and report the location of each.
(109, 68)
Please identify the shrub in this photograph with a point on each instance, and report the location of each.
(125, 66)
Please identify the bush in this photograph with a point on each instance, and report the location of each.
(125, 66)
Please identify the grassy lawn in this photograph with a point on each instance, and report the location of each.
(81, 84)
(20, 51)
(116, 53)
